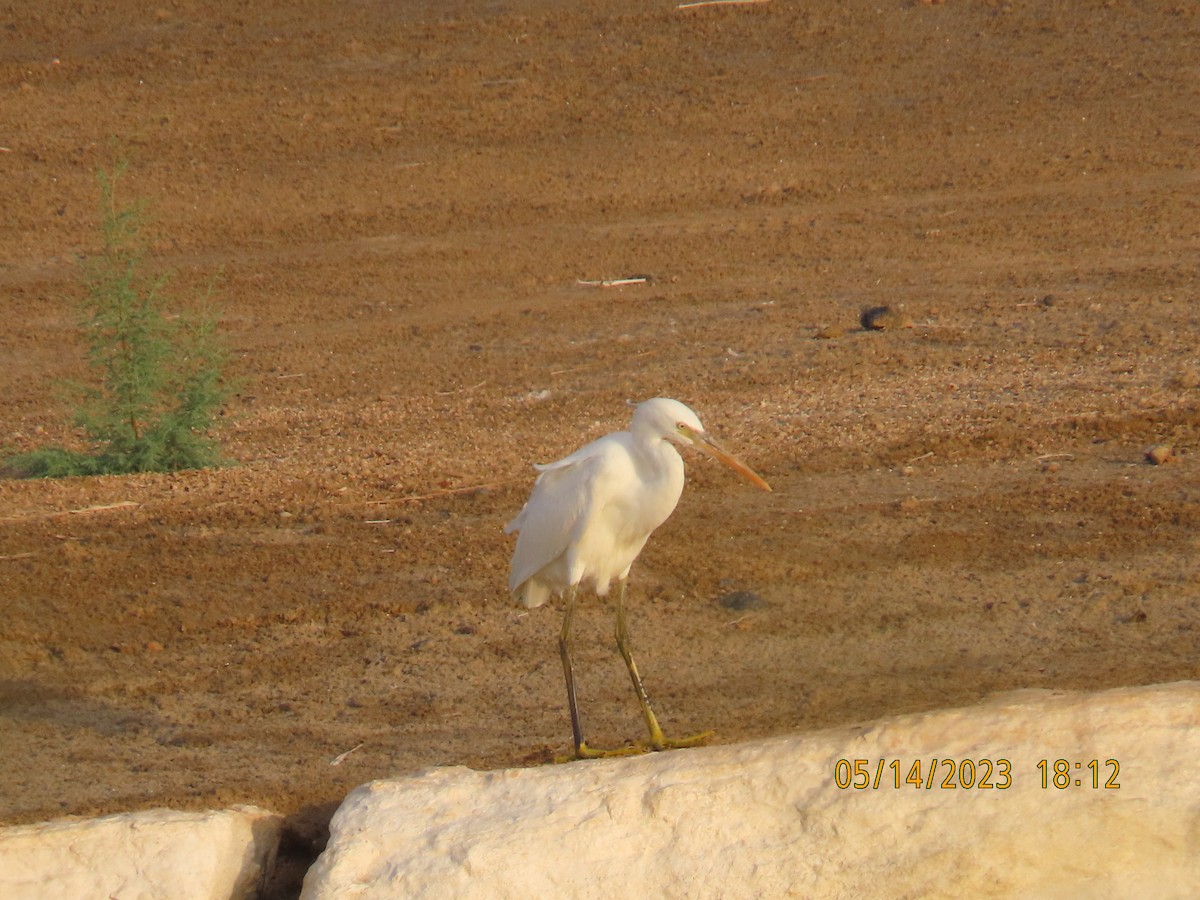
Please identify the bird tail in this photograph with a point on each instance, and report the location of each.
(532, 593)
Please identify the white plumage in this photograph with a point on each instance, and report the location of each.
(589, 516)
(590, 513)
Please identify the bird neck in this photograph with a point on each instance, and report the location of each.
(658, 458)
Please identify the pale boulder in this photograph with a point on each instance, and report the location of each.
(769, 819)
(159, 853)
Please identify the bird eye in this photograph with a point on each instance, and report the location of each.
(679, 426)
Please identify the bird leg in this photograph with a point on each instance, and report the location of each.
(582, 750)
(658, 740)
(564, 648)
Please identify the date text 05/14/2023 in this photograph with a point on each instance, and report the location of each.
(973, 774)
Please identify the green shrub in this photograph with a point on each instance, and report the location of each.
(156, 380)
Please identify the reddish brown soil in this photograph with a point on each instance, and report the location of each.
(401, 204)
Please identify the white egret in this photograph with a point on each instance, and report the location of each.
(589, 516)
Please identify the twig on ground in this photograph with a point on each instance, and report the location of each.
(615, 282)
(717, 3)
(123, 504)
(341, 757)
(105, 507)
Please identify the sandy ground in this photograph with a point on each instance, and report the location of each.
(401, 204)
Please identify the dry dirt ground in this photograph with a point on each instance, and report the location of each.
(401, 200)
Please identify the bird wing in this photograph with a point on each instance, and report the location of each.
(547, 522)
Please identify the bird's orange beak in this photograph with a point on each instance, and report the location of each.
(705, 444)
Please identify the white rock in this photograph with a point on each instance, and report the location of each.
(154, 854)
(769, 819)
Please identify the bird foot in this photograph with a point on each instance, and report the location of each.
(583, 751)
(589, 753)
(694, 740)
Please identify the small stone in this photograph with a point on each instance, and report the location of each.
(1160, 454)
(828, 332)
(876, 318)
(879, 318)
(740, 601)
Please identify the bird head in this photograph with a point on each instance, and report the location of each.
(672, 421)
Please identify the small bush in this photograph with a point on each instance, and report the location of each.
(156, 383)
